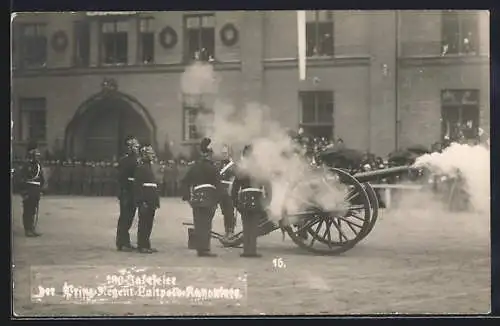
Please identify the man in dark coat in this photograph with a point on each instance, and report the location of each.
(31, 182)
(226, 172)
(126, 179)
(251, 197)
(147, 199)
(201, 187)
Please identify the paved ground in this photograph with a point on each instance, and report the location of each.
(412, 262)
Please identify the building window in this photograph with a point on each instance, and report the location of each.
(316, 114)
(200, 37)
(82, 43)
(114, 38)
(198, 116)
(459, 33)
(459, 114)
(147, 40)
(33, 45)
(319, 33)
(33, 119)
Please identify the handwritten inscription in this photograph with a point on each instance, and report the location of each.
(130, 285)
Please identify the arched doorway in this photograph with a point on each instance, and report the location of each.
(100, 125)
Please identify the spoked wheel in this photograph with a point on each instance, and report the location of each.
(374, 205)
(332, 219)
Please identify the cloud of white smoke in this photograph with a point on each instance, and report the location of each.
(471, 163)
(273, 158)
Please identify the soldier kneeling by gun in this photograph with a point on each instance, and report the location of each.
(201, 187)
(250, 197)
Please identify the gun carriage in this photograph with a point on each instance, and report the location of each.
(334, 230)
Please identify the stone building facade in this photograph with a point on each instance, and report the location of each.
(377, 79)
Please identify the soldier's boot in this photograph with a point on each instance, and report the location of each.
(250, 234)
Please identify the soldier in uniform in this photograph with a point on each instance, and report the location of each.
(146, 199)
(56, 177)
(126, 178)
(162, 173)
(168, 178)
(78, 178)
(114, 177)
(96, 181)
(65, 178)
(226, 172)
(251, 197)
(87, 178)
(72, 176)
(201, 187)
(31, 182)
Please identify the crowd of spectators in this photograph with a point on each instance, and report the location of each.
(98, 178)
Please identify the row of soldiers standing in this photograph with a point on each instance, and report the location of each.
(99, 178)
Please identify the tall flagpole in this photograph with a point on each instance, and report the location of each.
(301, 33)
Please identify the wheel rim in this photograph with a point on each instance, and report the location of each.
(333, 231)
(372, 195)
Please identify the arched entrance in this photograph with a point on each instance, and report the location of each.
(100, 125)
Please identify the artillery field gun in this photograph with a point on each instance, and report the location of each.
(328, 231)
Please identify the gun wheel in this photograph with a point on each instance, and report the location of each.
(332, 230)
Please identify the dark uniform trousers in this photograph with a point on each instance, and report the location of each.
(127, 196)
(31, 199)
(145, 227)
(202, 220)
(250, 221)
(127, 212)
(148, 201)
(226, 206)
(32, 182)
(251, 198)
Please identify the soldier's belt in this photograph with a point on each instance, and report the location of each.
(252, 190)
(204, 186)
(34, 182)
(131, 179)
(154, 185)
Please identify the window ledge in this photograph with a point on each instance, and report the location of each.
(121, 69)
(320, 61)
(444, 60)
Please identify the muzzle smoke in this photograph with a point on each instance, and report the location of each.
(296, 186)
(471, 164)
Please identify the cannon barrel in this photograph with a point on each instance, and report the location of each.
(383, 173)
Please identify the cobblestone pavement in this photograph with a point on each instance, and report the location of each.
(412, 262)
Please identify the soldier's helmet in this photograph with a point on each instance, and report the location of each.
(32, 151)
(132, 144)
(205, 149)
(147, 153)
